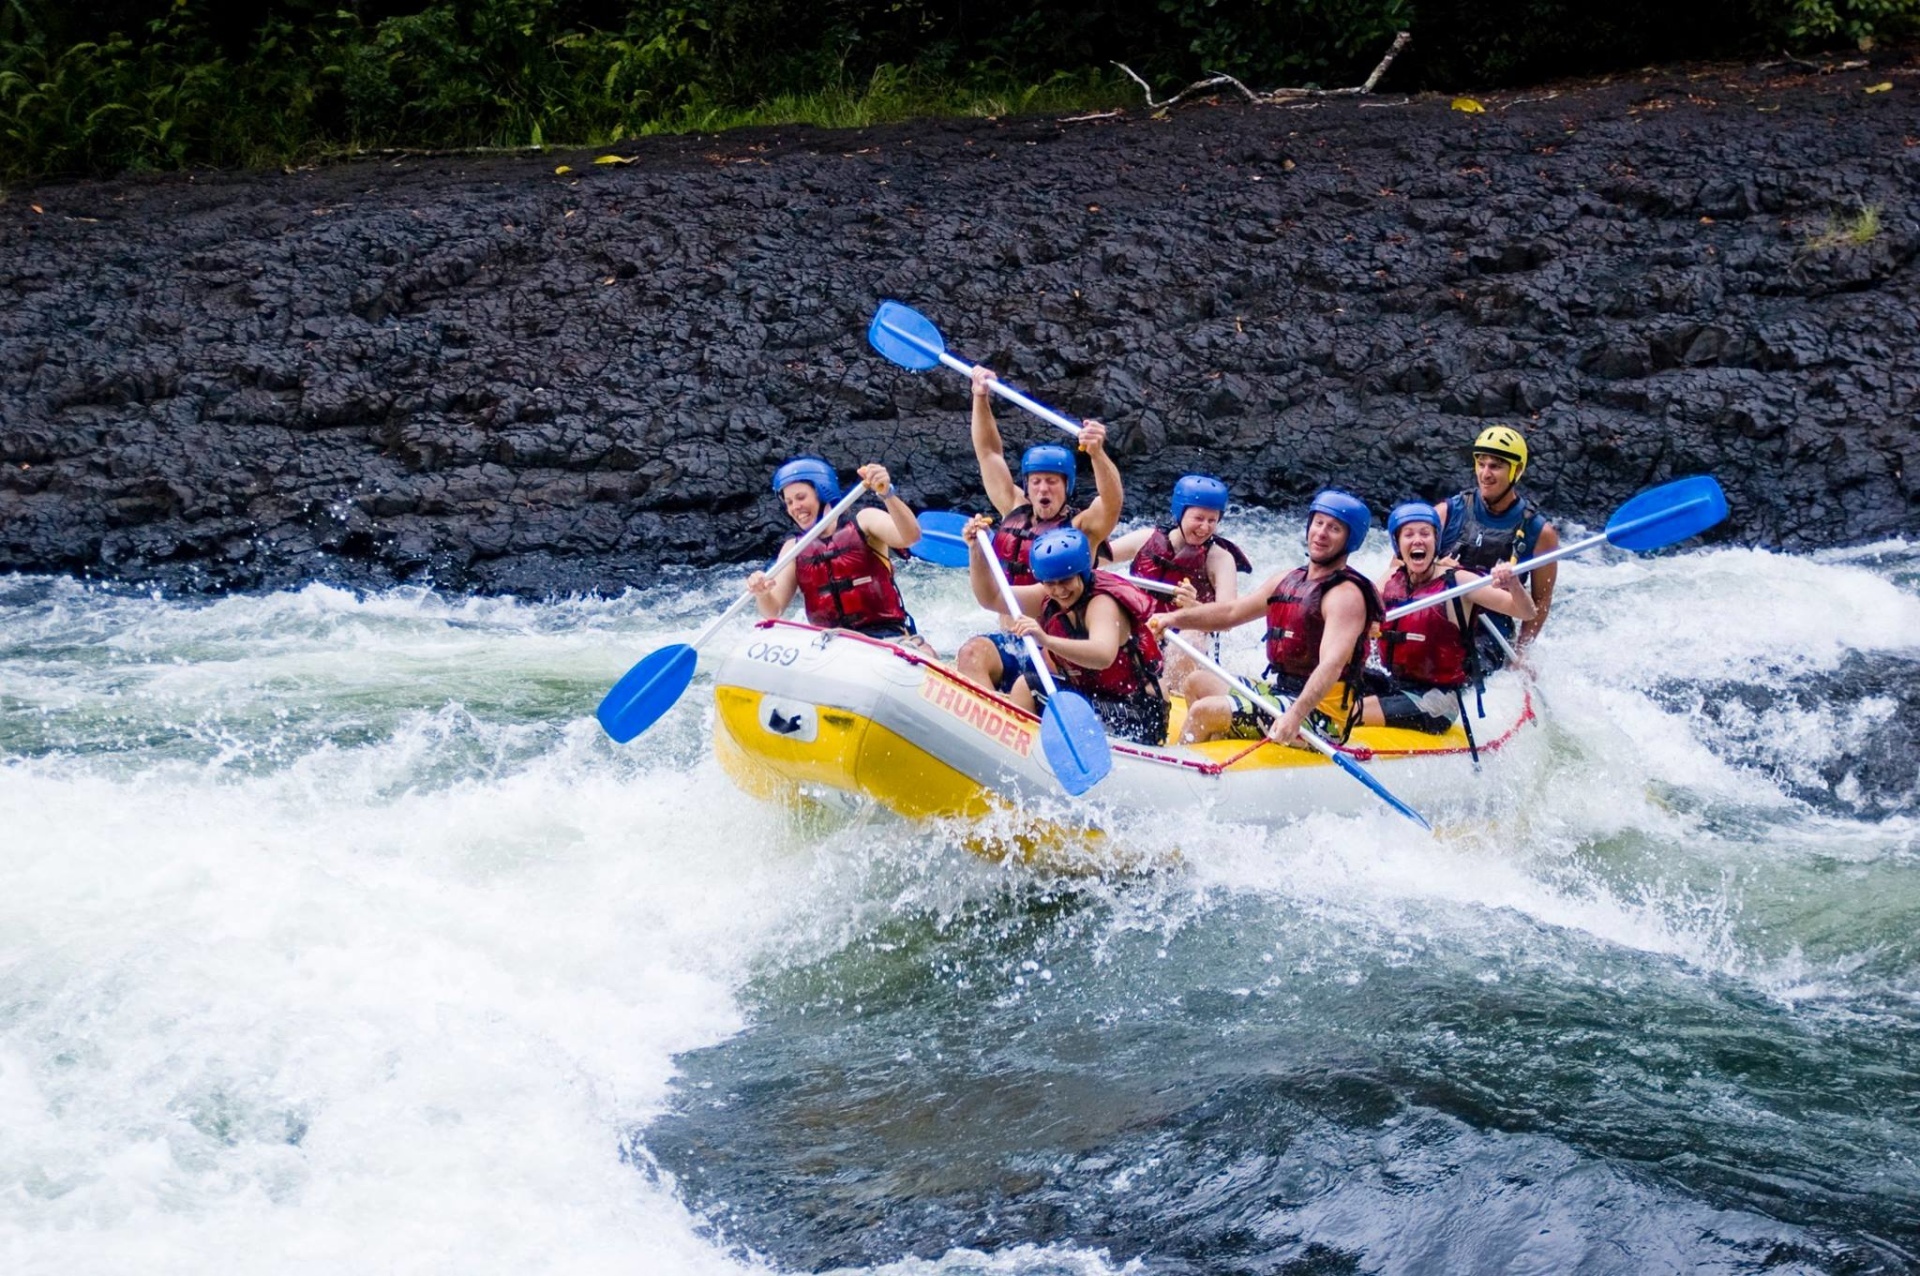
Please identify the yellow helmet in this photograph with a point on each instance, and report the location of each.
(1505, 443)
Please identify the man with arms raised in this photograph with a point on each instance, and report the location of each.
(1319, 618)
(1491, 522)
(1040, 503)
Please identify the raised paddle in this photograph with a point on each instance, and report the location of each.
(1338, 758)
(1654, 519)
(651, 687)
(909, 339)
(1071, 733)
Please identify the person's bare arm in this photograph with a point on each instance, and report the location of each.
(1222, 613)
(1503, 592)
(1540, 582)
(990, 450)
(896, 526)
(986, 590)
(1345, 612)
(1106, 634)
(1225, 574)
(1100, 518)
(1126, 547)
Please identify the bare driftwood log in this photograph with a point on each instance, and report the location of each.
(1272, 96)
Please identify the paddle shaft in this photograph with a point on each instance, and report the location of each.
(1013, 608)
(1519, 569)
(811, 535)
(999, 387)
(1153, 586)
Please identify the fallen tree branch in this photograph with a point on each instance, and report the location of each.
(1198, 86)
(1272, 97)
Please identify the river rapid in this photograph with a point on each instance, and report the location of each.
(336, 937)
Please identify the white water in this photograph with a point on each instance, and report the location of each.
(335, 937)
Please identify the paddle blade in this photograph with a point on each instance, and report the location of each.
(1359, 773)
(905, 336)
(1669, 513)
(1075, 742)
(646, 691)
(940, 540)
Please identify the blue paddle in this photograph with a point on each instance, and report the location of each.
(1656, 518)
(1071, 734)
(652, 687)
(909, 339)
(1338, 758)
(943, 540)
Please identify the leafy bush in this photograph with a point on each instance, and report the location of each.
(131, 84)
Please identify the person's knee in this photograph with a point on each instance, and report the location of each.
(1205, 684)
(1208, 718)
(979, 661)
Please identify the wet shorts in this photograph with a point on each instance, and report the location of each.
(1250, 722)
(1414, 708)
(1014, 662)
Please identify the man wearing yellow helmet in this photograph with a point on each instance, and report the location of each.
(1491, 522)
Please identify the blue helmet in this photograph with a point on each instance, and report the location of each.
(1346, 507)
(1060, 553)
(809, 469)
(1410, 512)
(1048, 458)
(1204, 490)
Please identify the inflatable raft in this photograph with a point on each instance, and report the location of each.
(809, 711)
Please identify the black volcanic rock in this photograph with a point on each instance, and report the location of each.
(489, 375)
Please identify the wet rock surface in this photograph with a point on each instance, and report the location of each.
(484, 374)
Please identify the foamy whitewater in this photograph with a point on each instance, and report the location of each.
(336, 937)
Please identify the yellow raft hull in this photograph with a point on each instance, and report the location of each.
(802, 710)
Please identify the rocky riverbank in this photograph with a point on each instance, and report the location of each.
(486, 374)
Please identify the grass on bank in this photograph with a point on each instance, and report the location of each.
(95, 110)
(897, 93)
(1846, 230)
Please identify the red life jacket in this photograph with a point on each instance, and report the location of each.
(1135, 670)
(1295, 624)
(1159, 560)
(846, 584)
(1426, 647)
(1013, 540)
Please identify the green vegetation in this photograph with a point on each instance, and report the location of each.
(155, 84)
(1846, 230)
